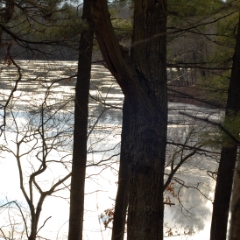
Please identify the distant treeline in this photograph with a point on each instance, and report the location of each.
(39, 52)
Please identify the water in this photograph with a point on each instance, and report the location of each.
(45, 94)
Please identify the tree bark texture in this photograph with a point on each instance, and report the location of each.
(145, 211)
(142, 77)
(228, 153)
(80, 132)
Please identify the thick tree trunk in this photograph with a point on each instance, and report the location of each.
(145, 212)
(143, 80)
(235, 205)
(228, 154)
(80, 132)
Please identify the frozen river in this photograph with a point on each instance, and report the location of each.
(37, 123)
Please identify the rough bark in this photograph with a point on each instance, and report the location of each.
(80, 132)
(235, 206)
(228, 154)
(145, 212)
(142, 78)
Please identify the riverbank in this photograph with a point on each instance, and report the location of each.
(192, 94)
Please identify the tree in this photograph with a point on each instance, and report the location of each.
(228, 151)
(121, 203)
(35, 140)
(36, 30)
(80, 130)
(142, 78)
(235, 206)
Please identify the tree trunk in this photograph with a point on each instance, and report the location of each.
(235, 205)
(223, 193)
(34, 224)
(228, 154)
(143, 80)
(121, 203)
(145, 211)
(80, 132)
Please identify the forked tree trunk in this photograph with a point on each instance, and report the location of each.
(80, 132)
(143, 80)
(228, 154)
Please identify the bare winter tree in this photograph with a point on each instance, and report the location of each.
(38, 138)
